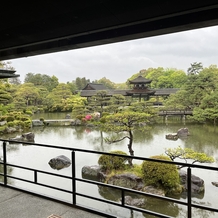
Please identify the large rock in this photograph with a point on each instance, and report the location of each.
(9, 130)
(91, 172)
(25, 137)
(183, 132)
(29, 136)
(215, 184)
(2, 123)
(126, 180)
(67, 116)
(76, 122)
(153, 190)
(59, 162)
(197, 184)
(136, 202)
(38, 123)
(172, 136)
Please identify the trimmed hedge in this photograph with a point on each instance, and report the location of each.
(161, 174)
(109, 162)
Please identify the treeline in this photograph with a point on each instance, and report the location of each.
(198, 91)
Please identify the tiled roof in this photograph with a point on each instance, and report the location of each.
(140, 80)
(155, 92)
(95, 86)
(4, 73)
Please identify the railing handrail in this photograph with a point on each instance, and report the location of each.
(189, 203)
(197, 166)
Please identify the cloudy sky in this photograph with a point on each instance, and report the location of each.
(120, 61)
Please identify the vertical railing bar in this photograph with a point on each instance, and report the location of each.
(5, 163)
(189, 195)
(73, 177)
(35, 176)
(123, 197)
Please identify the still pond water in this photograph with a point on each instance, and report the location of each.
(203, 138)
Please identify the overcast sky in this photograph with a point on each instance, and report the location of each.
(119, 61)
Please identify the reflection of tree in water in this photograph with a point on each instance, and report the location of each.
(162, 207)
(97, 139)
(9, 172)
(109, 193)
(99, 142)
(11, 147)
(141, 136)
(202, 213)
(79, 132)
(152, 204)
(196, 212)
(203, 138)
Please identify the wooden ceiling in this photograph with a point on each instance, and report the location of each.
(37, 27)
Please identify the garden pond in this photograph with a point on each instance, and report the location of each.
(203, 138)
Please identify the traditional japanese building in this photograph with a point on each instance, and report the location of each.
(6, 73)
(140, 88)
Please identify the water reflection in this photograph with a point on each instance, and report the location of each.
(147, 203)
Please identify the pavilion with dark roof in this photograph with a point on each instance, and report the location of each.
(140, 89)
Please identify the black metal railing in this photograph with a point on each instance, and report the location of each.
(74, 179)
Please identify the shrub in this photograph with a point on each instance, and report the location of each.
(103, 119)
(10, 124)
(42, 119)
(29, 112)
(109, 162)
(10, 118)
(27, 123)
(80, 117)
(24, 118)
(3, 118)
(105, 114)
(161, 174)
(19, 123)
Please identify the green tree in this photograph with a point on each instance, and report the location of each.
(81, 82)
(57, 99)
(74, 103)
(117, 103)
(29, 93)
(15, 81)
(106, 82)
(99, 102)
(195, 68)
(125, 122)
(42, 80)
(188, 154)
(5, 94)
(163, 78)
(195, 89)
(6, 65)
(72, 87)
(143, 107)
(178, 101)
